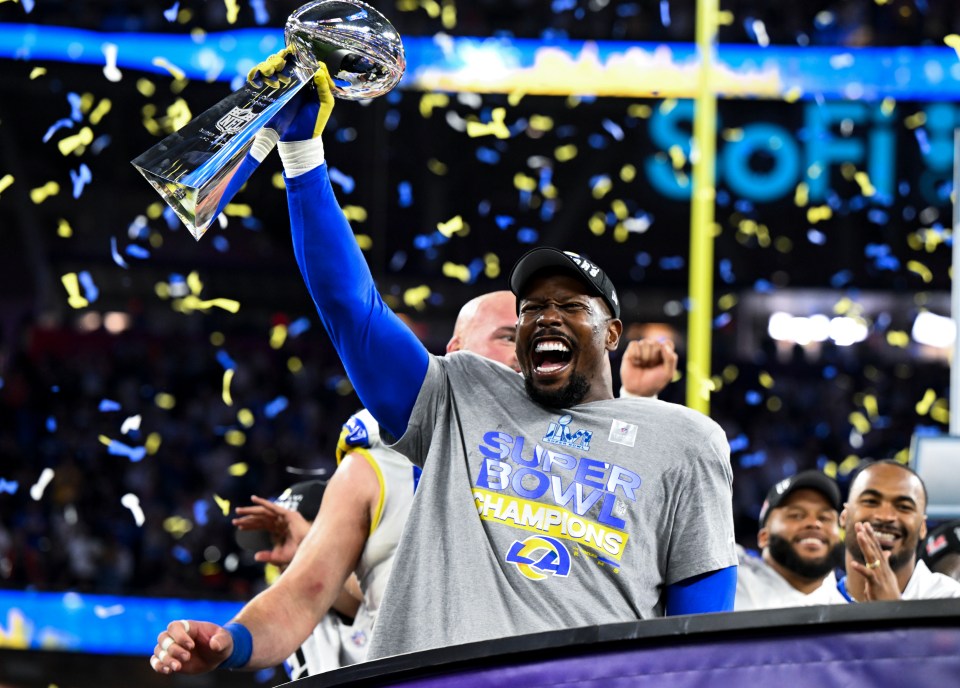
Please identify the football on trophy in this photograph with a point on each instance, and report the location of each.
(360, 47)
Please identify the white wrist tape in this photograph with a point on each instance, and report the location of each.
(299, 157)
(263, 143)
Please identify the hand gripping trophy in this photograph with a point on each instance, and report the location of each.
(198, 169)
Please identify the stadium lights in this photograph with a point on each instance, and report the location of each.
(843, 330)
(934, 330)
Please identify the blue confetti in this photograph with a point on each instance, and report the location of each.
(878, 217)
(488, 156)
(829, 372)
(398, 260)
(643, 259)
(841, 278)
(726, 271)
(57, 126)
(526, 235)
(171, 14)
(753, 460)
(405, 194)
(260, 14)
(108, 405)
(597, 141)
(547, 210)
(117, 258)
(665, 12)
(763, 286)
(90, 290)
(170, 217)
(723, 198)
(135, 454)
(614, 129)
(276, 407)
(135, 251)
(392, 119)
(223, 358)
(504, 221)
(51, 424)
(200, 512)
(742, 205)
(822, 430)
(558, 6)
(722, 320)
(921, 134)
(80, 178)
(815, 236)
(753, 397)
(181, 554)
(298, 327)
(345, 181)
(672, 262)
(739, 443)
(265, 675)
(9, 486)
(76, 113)
(28, 6)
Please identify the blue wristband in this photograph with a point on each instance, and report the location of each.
(242, 646)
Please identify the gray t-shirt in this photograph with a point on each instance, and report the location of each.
(528, 519)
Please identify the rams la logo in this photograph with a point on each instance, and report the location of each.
(540, 556)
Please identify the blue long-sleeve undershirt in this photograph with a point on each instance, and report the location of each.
(384, 360)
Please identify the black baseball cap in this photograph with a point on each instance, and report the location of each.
(811, 480)
(302, 497)
(546, 257)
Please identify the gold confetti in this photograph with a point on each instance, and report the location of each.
(793, 95)
(431, 101)
(238, 210)
(541, 123)
(64, 230)
(235, 438)
(628, 173)
(514, 97)
(191, 303)
(732, 135)
(870, 404)
(177, 526)
(164, 63)
(859, 422)
(923, 406)
(165, 401)
(491, 266)
(278, 335)
(642, 111)
(918, 119)
(887, 106)
(452, 226)
(146, 88)
(431, 7)
(42, 193)
(866, 188)
(72, 284)
(727, 301)
(364, 241)
(953, 41)
(233, 10)
(238, 469)
(677, 158)
(495, 127)
(601, 187)
(448, 15)
(730, 373)
(77, 143)
(227, 379)
(920, 269)
(597, 224)
(416, 297)
(456, 271)
(194, 283)
(816, 214)
(565, 153)
(245, 417)
(849, 464)
(523, 182)
(940, 411)
(898, 338)
(436, 167)
(766, 380)
(5, 182)
(355, 213)
(294, 364)
(774, 404)
(224, 504)
(153, 443)
(37, 72)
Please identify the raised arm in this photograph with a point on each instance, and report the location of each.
(384, 360)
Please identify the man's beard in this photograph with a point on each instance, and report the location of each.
(897, 560)
(569, 395)
(784, 554)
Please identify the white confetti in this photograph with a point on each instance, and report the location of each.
(37, 490)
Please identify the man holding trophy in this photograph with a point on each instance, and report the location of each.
(664, 511)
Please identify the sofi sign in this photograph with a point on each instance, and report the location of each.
(833, 134)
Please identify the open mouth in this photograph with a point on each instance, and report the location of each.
(550, 356)
(811, 542)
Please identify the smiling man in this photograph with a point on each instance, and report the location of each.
(798, 537)
(884, 520)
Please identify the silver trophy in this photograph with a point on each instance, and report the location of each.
(198, 169)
